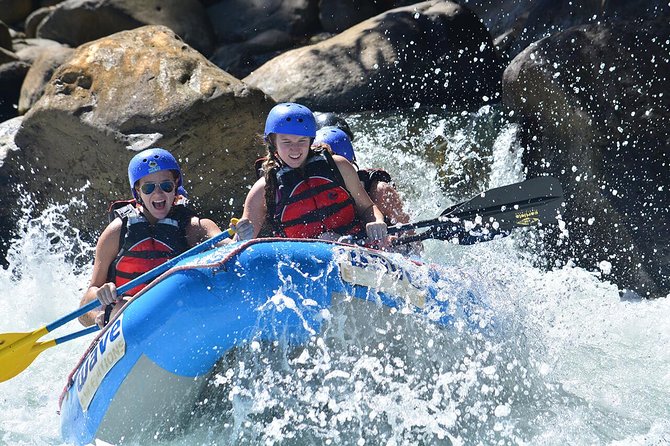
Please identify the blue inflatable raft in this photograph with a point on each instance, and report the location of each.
(153, 360)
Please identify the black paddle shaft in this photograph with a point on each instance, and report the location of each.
(528, 203)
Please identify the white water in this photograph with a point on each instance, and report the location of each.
(574, 363)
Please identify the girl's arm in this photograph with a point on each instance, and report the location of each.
(201, 229)
(254, 206)
(106, 251)
(369, 213)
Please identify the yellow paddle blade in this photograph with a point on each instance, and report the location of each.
(19, 350)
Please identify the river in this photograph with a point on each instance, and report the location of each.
(574, 362)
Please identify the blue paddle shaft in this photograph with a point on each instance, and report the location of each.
(149, 275)
(92, 329)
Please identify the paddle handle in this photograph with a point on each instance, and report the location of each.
(149, 275)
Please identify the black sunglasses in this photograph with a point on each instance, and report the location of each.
(148, 188)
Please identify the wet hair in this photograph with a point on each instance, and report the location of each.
(331, 119)
(270, 166)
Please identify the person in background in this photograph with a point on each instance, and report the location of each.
(327, 119)
(376, 182)
(145, 234)
(305, 192)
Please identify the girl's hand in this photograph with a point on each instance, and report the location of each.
(244, 229)
(106, 294)
(376, 230)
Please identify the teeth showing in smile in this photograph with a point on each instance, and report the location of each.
(159, 204)
(295, 157)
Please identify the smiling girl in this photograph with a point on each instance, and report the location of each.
(306, 192)
(145, 235)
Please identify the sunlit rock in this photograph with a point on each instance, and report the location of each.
(39, 75)
(134, 90)
(432, 53)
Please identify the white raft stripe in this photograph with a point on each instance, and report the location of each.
(379, 273)
(110, 349)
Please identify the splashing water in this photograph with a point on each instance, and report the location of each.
(570, 362)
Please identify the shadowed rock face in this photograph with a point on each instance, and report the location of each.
(128, 92)
(515, 24)
(75, 22)
(433, 53)
(595, 108)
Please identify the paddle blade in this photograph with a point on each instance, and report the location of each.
(496, 211)
(18, 351)
(528, 203)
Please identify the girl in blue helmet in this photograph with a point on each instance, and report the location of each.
(376, 182)
(146, 234)
(306, 192)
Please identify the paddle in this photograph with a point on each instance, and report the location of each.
(497, 211)
(18, 350)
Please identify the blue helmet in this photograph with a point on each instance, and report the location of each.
(150, 161)
(292, 119)
(338, 140)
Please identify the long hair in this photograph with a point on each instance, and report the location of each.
(270, 167)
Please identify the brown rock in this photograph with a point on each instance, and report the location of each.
(39, 74)
(13, 11)
(34, 20)
(9, 209)
(28, 50)
(134, 90)
(5, 37)
(241, 20)
(75, 22)
(12, 74)
(520, 22)
(338, 15)
(432, 53)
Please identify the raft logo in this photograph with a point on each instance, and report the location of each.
(527, 218)
(109, 350)
(379, 273)
(153, 166)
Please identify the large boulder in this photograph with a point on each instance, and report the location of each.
(28, 50)
(39, 74)
(8, 199)
(595, 110)
(12, 73)
(13, 11)
(75, 22)
(515, 24)
(127, 92)
(241, 58)
(432, 53)
(241, 20)
(5, 37)
(338, 15)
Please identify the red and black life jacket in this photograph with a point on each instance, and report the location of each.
(312, 200)
(144, 246)
(366, 176)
